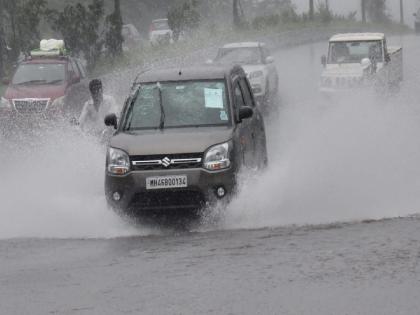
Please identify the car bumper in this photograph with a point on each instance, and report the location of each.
(201, 189)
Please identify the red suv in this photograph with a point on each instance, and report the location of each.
(46, 87)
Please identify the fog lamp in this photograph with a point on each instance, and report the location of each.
(116, 196)
(221, 192)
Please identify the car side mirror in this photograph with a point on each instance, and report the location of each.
(245, 112)
(324, 60)
(111, 121)
(269, 59)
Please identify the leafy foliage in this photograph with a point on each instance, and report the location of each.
(376, 10)
(324, 13)
(19, 29)
(113, 37)
(275, 13)
(80, 27)
(21, 19)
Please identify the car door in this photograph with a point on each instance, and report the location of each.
(76, 94)
(271, 70)
(245, 138)
(84, 80)
(255, 124)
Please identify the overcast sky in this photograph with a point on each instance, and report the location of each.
(345, 6)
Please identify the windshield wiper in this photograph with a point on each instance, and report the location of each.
(162, 110)
(31, 82)
(55, 81)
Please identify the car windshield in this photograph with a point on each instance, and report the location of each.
(239, 55)
(160, 25)
(178, 104)
(40, 73)
(125, 31)
(354, 52)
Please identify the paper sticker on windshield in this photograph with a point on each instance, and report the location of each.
(213, 98)
(223, 115)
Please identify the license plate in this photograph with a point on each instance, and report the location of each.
(165, 182)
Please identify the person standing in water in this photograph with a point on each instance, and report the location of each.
(94, 111)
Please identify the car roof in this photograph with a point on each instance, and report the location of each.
(244, 45)
(357, 37)
(185, 74)
(44, 60)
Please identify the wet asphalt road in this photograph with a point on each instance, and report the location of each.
(365, 268)
(239, 266)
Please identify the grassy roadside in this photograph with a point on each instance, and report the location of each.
(214, 37)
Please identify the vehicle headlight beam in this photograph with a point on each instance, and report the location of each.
(117, 162)
(218, 157)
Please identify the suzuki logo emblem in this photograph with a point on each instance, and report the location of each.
(166, 162)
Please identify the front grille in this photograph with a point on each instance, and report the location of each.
(165, 162)
(348, 82)
(156, 200)
(30, 106)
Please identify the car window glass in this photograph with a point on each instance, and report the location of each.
(355, 51)
(82, 70)
(179, 104)
(160, 25)
(240, 55)
(246, 92)
(39, 73)
(125, 32)
(264, 53)
(74, 69)
(239, 98)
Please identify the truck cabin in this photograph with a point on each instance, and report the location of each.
(353, 48)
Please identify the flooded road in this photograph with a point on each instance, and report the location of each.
(365, 268)
(278, 248)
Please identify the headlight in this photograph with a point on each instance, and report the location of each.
(217, 157)
(58, 102)
(5, 103)
(117, 162)
(256, 74)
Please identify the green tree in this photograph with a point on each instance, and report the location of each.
(113, 37)
(22, 18)
(324, 13)
(183, 16)
(363, 9)
(311, 9)
(80, 28)
(238, 14)
(3, 48)
(376, 10)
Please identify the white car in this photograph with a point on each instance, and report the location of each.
(160, 32)
(360, 61)
(258, 64)
(131, 36)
